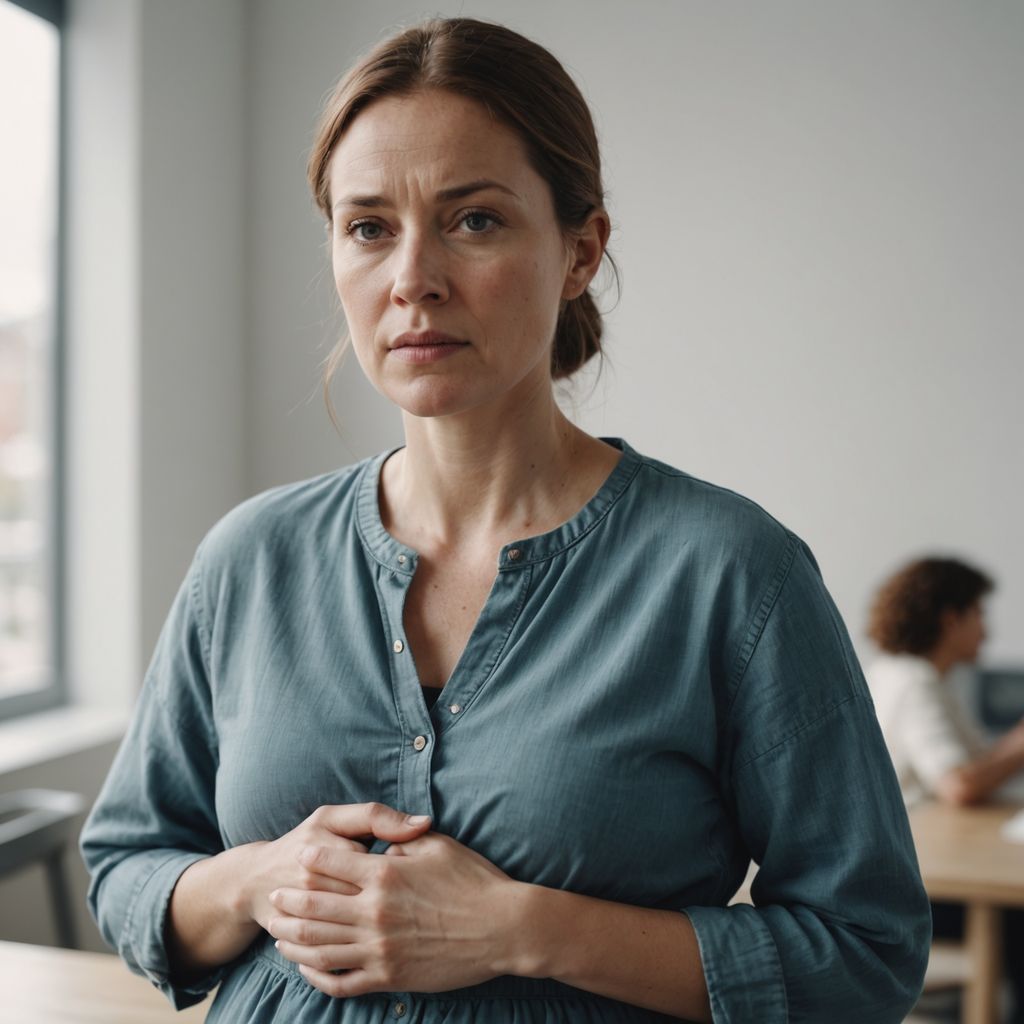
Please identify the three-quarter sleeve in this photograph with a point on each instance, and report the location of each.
(840, 925)
(155, 814)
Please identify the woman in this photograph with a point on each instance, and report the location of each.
(643, 682)
(926, 619)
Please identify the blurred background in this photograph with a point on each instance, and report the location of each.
(818, 217)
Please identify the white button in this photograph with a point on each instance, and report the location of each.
(399, 1009)
(401, 561)
(455, 709)
(420, 742)
(513, 554)
(398, 647)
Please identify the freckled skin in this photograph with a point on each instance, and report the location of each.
(422, 264)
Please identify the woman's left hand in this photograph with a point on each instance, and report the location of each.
(431, 915)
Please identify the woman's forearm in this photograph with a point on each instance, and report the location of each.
(209, 920)
(648, 958)
(977, 779)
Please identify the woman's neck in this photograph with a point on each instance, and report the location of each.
(943, 660)
(940, 663)
(504, 475)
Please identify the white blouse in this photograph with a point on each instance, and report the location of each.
(925, 728)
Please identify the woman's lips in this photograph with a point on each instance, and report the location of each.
(427, 347)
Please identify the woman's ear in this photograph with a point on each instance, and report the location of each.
(586, 248)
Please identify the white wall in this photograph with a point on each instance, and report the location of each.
(155, 415)
(819, 215)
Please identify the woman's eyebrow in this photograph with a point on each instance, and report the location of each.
(444, 195)
(480, 185)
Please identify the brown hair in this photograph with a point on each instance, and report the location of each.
(906, 616)
(524, 87)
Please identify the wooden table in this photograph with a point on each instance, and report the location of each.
(43, 985)
(964, 859)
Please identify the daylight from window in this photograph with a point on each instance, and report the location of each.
(29, 75)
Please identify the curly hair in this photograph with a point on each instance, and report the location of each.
(906, 616)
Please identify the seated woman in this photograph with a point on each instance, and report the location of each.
(926, 619)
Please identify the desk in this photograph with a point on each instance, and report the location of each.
(964, 859)
(43, 985)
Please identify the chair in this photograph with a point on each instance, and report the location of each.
(36, 826)
(949, 966)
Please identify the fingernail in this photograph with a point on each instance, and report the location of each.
(277, 945)
(417, 819)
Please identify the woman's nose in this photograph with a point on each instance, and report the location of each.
(420, 275)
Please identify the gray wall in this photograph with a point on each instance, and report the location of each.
(818, 219)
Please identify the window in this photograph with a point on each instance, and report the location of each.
(31, 662)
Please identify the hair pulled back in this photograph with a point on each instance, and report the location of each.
(906, 617)
(523, 86)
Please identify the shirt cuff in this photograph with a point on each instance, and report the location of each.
(143, 947)
(741, 964)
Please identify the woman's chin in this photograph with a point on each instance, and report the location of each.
(431, 399)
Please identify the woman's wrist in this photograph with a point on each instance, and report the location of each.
(245, 892)
(210, 919)
(531, 927)
(637, 955)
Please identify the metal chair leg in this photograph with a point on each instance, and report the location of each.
(60, 897)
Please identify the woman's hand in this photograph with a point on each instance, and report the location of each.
(427, 916)
(337, 828)
(220, 903)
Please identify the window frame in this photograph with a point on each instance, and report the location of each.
(56, 691)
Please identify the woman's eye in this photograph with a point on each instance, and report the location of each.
(366, 231)
(477, 222)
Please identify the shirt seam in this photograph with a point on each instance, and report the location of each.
(803, 727)
(761, 616)
(194, 601)
(852, 670)
(679, 474)
(195, 598)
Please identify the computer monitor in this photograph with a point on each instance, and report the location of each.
(1000, 696)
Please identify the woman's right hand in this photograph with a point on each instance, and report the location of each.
(276, 864)
(220, 902)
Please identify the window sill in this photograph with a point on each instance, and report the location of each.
(36, 739)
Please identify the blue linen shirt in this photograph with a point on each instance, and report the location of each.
(656, 693)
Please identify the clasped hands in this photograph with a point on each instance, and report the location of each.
(427, 915)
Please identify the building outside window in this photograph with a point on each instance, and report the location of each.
(31, 675)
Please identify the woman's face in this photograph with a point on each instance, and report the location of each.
(447, 255)
(965, 632)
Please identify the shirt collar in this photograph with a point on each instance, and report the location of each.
(518, 553)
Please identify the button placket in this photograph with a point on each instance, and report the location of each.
(485, 646)
(412, 723)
